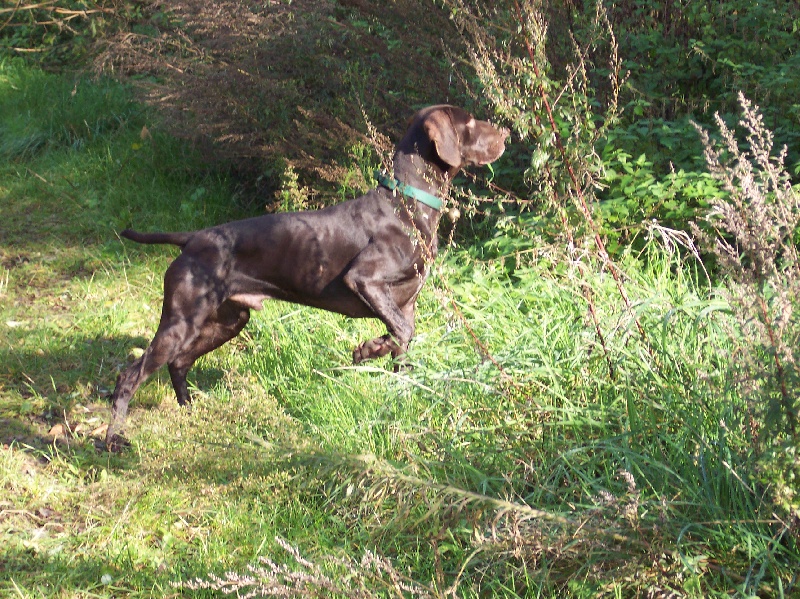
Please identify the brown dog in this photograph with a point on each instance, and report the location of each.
(364, 258)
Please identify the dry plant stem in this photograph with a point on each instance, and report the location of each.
(270, 579)
(378, 468)
(579, 192)
(66, 14)
(786, 399)
(587, 294)
(586, 289)
(13, 12)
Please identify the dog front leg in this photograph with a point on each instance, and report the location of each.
(378, 296)
(376, 348)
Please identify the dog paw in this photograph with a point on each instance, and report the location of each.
(401, 365)
(113, 444)
(361, 353)
(374, 348)
(377, 348)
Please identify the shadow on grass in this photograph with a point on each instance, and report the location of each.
(48, 572)
(120, 556)
(69, 382)
(290, 79)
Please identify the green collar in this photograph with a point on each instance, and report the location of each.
(410, 192)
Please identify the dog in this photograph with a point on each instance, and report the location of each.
(364, 258)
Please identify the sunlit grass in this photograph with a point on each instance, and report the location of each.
(518, 456)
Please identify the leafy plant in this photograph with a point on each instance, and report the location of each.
(634, 196)
(692, 59)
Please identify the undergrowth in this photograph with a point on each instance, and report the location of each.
(570, 426)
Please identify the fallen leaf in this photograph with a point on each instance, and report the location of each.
(100, 431)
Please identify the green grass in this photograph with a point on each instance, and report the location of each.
(642, 479)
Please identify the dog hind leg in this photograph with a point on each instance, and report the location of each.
(186, 309)
(228, 321)
(161, 350)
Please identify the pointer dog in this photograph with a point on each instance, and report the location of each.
(364, 258)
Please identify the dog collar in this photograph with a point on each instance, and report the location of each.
(393, 184)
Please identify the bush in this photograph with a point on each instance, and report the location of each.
(757, 224)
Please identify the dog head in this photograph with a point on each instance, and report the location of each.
(458, 138)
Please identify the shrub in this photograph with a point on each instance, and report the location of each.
(757, 224)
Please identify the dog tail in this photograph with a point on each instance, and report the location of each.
(179, 239)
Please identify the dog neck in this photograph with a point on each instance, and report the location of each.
(393, 184)
(416, 163)
(426, 173)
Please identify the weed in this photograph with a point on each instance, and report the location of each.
(757, 222)
(372, 576)
(291, 196)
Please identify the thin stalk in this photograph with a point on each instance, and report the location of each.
(582, 204)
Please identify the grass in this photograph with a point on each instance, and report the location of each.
(549, 478)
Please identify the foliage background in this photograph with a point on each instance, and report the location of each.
(603, 400)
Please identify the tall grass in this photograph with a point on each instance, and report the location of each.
(41, 111)
(549, 440)
(551, 471)
(545, 477)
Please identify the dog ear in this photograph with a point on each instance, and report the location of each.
(444, 136)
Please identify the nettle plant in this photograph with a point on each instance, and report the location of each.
(757, 229)
(543, 88)
(589, 176)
